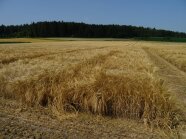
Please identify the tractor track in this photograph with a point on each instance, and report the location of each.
(174, 81)
(174, 78)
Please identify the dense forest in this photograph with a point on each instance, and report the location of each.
(72, 29)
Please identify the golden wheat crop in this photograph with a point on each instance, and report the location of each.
(107, 78)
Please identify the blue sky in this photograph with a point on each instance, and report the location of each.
(161, 14)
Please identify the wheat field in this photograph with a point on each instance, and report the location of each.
(108, 78)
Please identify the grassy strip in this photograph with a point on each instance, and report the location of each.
(25, 40)
(162, 39)
(13, 42)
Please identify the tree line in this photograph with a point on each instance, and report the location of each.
(72, 29)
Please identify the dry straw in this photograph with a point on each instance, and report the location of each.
(131, 90)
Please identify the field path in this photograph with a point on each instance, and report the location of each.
(174, 79)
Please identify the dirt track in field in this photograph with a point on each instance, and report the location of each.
(174, 80)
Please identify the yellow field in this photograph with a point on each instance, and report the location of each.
(109, 78)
